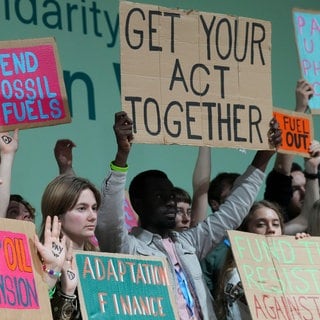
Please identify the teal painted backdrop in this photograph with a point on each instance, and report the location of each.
(87, 35)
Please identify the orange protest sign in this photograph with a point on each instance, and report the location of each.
(297, 131)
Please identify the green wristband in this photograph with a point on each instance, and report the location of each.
(118, 169)
(51, 292)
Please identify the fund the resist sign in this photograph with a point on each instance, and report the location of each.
(280, 275)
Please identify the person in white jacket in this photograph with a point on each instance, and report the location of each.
(152, 197)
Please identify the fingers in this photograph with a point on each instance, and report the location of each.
(56, 227)
(52, 229)
(302, 235)
(64, 144)
(122, 118)
(274, 134)
(304, 87)
(47, 230)
(123, 127)
(16, 135)
(314, 148)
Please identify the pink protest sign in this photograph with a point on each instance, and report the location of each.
(32, 92)
(16, 274)
(23, 291)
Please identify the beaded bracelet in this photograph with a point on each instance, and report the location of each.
(118, 169)
(51, 272)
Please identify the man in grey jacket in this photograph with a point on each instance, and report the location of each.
(152, 197)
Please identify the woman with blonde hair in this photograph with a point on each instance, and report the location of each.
(69, 208)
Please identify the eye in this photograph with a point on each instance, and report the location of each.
(81, 208)
(261, 224)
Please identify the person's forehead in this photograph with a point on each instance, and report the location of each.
(183, 204)
(265, 213)
(159, 183)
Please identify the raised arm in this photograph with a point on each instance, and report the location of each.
(208, 233)
(279, 181)
(200, 184)
(304, 92)
(262, 157)
(111, 228)
(8, 149)
(300, 223)
(63, 155)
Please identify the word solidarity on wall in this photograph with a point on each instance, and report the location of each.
(115, 286)
(32, 92)
(195, 78)
(279, 275)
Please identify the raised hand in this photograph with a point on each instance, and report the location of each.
(63, 155)
(9, 142)
(52, 251)
(274, 134)
(124, 136)
(123, 130)
(304, 92)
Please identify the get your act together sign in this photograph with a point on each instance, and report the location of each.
(195, 78)
(32, 92)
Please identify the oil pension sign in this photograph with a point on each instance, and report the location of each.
(195, 78)
(23, 294)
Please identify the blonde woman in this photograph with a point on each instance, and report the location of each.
(69, 208)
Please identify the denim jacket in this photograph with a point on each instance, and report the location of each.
(191, 245)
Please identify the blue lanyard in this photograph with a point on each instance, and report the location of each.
(185, 290)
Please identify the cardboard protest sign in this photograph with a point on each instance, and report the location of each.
(279, 275)
(307, 32)
(297, 131)
(195, 78)
(115, 286)
(23, 293)
(32, 92)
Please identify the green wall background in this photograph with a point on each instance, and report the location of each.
(95, 54)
